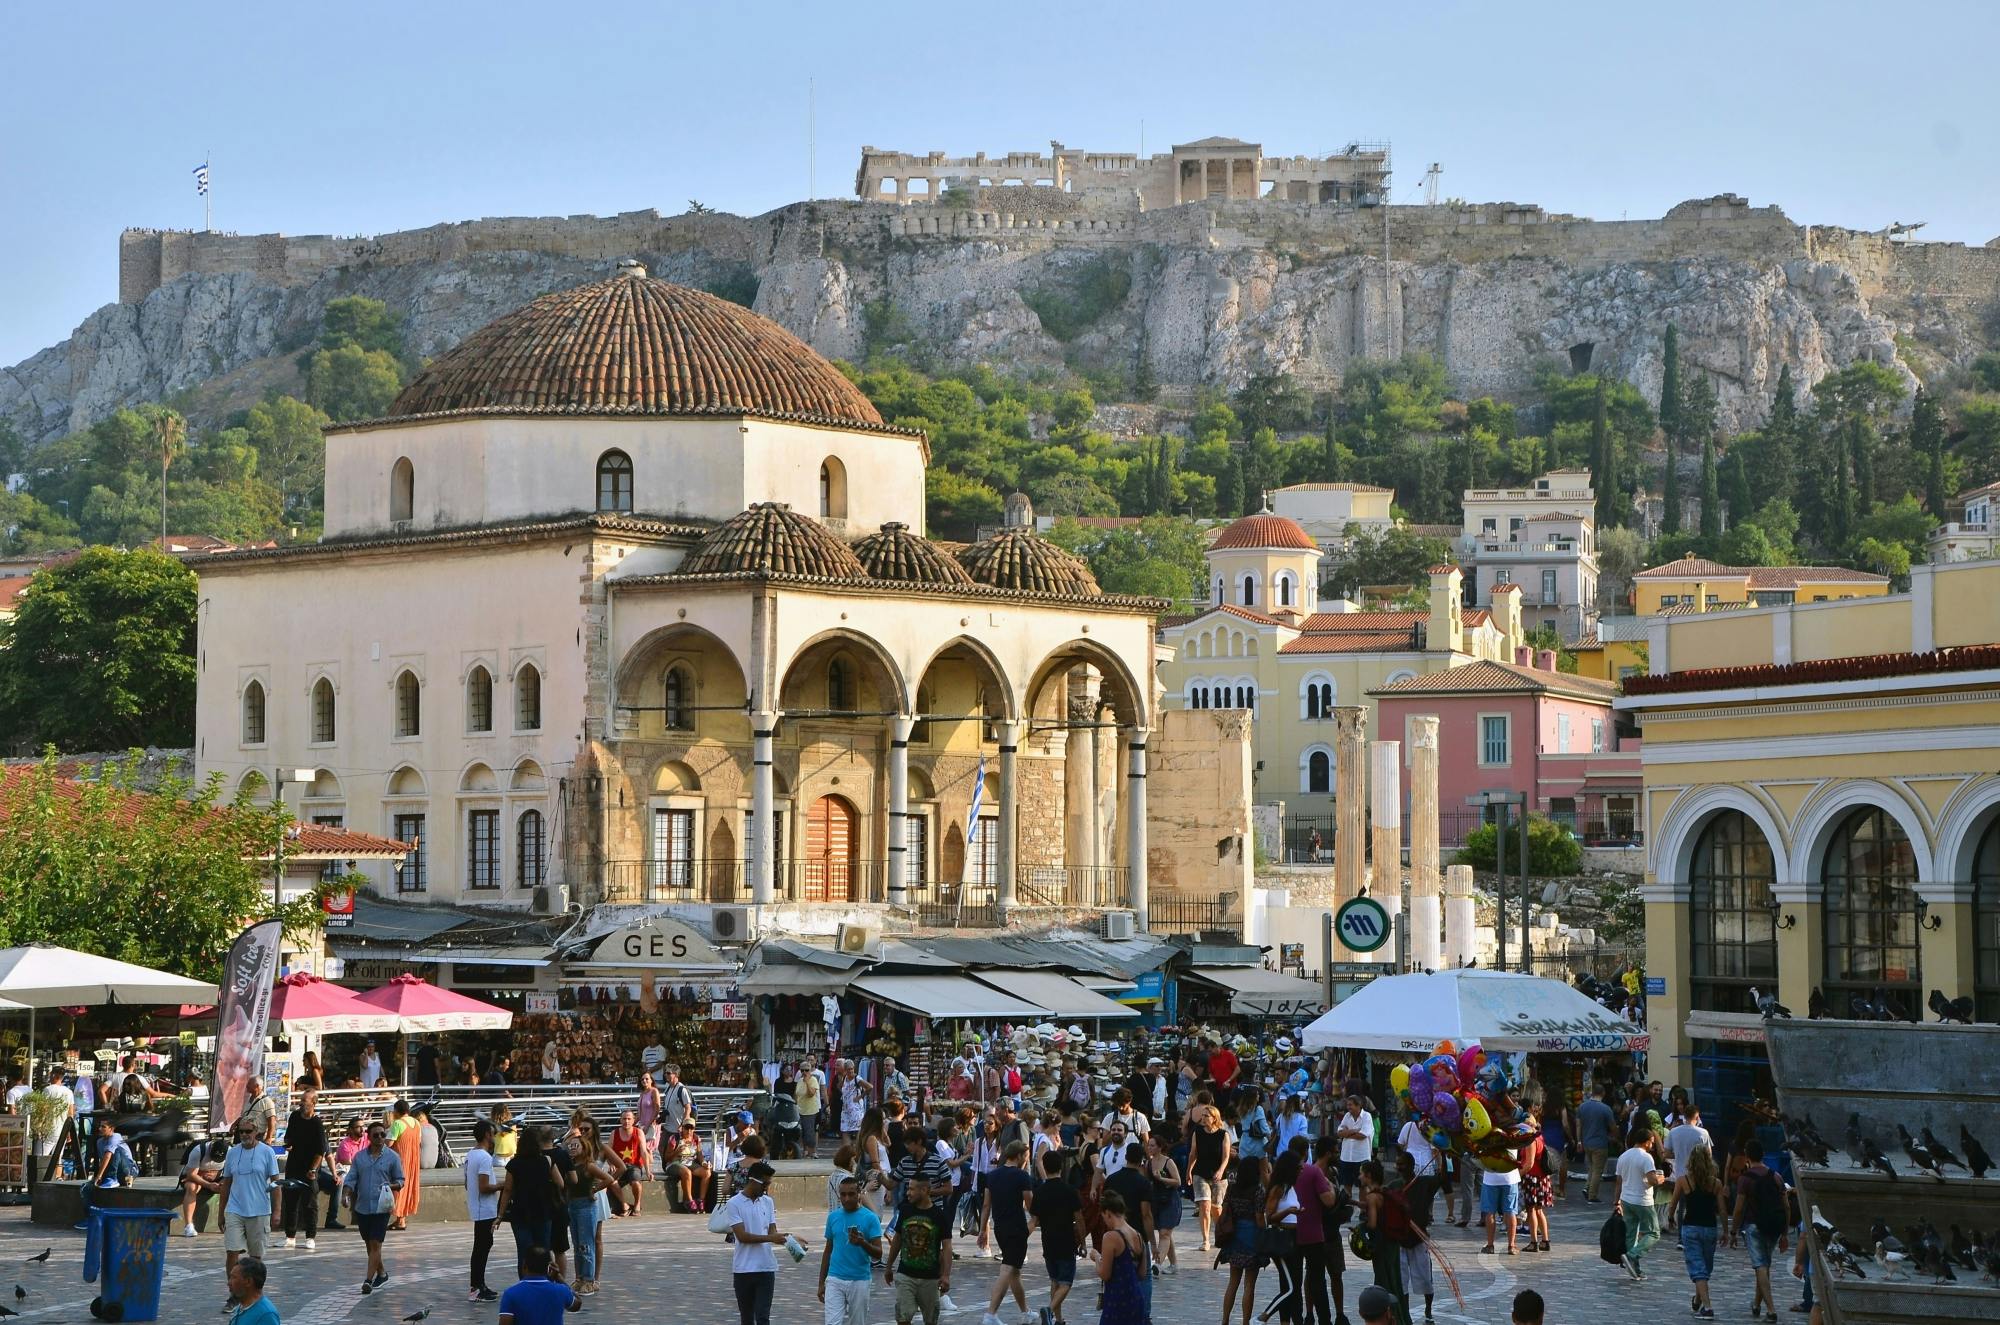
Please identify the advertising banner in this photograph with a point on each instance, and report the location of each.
(243, 1016)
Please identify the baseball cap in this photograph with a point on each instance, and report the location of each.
(1376, 1303)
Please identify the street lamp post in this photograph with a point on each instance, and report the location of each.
(279, 777)
(1506, 800)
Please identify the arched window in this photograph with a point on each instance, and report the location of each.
(323, 724)
(1986, 923)
(840, 684)
(528, 699)
(1284, 590)
(1870, 877)
(679, 699)
(253, 713)
(614, 482)
(1246, 697)
(1249, 591)
(402, 489)
(479, 701)
(1318, 698)
(1218, 591)
(1319, 774)
(1733, 935)
(409, 705)
(530, 849)
(832, 489)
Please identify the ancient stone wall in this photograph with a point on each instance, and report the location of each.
(1198, 792)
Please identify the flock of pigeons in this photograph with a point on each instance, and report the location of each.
(1860, 1008)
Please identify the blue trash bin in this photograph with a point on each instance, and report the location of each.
(129, 1247)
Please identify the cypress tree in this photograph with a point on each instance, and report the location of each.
(1229, 488)
(1711, 492)
(1861, 448)
(1840, 495)
(1670, 428)
(1603, 460)
(1927, 440)
(1736, 486)
(1329, 462)
(1670, 495)
(1779, 470)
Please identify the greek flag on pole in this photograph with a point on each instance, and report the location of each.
(978, 794)
(201, 179)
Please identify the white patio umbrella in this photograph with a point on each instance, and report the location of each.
(41, 976)
(1493, 1009)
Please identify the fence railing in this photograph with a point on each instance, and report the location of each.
(1307, 839)
(1183, 915)
(456, 1107)
(1074, 885)
(956, 905)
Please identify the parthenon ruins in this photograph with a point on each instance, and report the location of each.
(1207, 168)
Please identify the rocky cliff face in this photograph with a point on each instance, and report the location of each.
(1208, 296)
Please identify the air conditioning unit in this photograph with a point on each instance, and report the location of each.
(551, 899)
(858, 940)
(732, 924)
(1118, 925)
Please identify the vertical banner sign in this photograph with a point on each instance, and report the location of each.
(243, 1016)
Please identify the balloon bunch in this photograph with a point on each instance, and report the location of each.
(1456, 1094)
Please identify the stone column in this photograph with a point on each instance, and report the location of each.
(1426, 951)
(1385, 785)
(899, 809)
(1135, 823)
(763, 808)
(1460, 938)
(1004, 851)
(1082, 840)
(1350, 801)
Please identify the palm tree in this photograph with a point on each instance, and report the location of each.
(171, 431)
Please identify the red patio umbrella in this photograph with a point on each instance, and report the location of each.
(420, 1007)
(304, 1004)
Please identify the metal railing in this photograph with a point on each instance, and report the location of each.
(1183, 915)
(956, 905)
(1094, 886)
(727, 880)
(456, 1107)
(1297, 832)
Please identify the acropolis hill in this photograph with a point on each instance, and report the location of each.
(1208, 291)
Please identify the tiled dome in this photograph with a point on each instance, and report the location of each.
(897, 554)
(1017, 558)
(635, 346)
(770, 538)
(1263, 530)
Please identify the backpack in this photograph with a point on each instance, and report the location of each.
(1767, 1203)
(1079, 1089)
(1397, 1226)
(1611, 1240)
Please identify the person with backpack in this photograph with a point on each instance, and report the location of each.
(1419, 1196)
(1761, 1218)
(1387, 1218)
(1638, 1174)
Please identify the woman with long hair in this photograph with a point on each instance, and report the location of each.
(1697, 1201)
(310, 1077)
(1208, 1163)
(1536, 1189)
(529, 1197)
(406, 1137)
(1166, 1176)
(1122, 1268)
(871, 1149)
(1240, 1228)
(1281, 1211)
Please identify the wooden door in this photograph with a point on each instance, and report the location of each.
(829, 855)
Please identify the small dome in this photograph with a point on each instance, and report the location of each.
(1019, 559)
(772, 539)
(897, 554)
(635, 346)
(1264, 530)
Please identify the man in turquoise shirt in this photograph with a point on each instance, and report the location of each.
(853, 1242)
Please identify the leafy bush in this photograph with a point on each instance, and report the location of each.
(1088, 292)
(1552, 850)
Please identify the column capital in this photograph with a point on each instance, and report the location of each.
(901, 726)
(1423, 731)
(1350, 721)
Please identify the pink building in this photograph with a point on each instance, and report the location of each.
(1522, 726)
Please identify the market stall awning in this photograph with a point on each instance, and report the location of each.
(1256, 992)
(945, 996)
(1494, 1009)
(514, 954)
(1057, 995)
(422, 1008)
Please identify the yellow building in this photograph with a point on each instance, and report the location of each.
(1823, 808)
(1609, 659)
(1268, 645)
(1701, 584)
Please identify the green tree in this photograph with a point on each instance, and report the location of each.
(29, 528)
(1603, 459)
(1621, 554)
(1891, 559)
(1927, 440)
(1979, 446)
(1670, 494)
(1073, 409)
(955, 506)
(1778, 523)
(1553, 851)
(291, 448)
(1274, 401)
(1229, 488)
(1670, 428)
(99, 655)
(1160, 557)
(1776, 471)
(1392, 556)
(1901, 524)
(165, 879)
(1711, 491)
(352, 383)
(364, 323)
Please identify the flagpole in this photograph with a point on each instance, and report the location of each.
(207, 194)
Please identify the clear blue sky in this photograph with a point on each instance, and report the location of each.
(361, 117)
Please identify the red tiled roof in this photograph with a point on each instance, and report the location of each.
(1488, 677)
(1331, 487)
(1020, 559)
(1360, 641)
(1509, 587)
(1555, 515)
(1760, 577)
(634, 346)
(312, 841)
(11, 589)
(1442, 568)
(1264, 530)
(1875, 666)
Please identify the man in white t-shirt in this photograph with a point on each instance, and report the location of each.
(1687, 1138)
(1356, 1130)
(482, 1204)
(1122, 1112)
(1112, 1157)
(1499, 1199)
(1414, 1143)
(753, 1222)
(17, 1090)
(1638, 1174)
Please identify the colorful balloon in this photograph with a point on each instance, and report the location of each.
(1446, 1112)
(1399, 1076)
(1498, 1163)
(1470, 1061)
(1447, 1047)
(1477, 1121)
(1422, 1091)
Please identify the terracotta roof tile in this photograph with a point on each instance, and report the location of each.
(772, 537)
(635, 346)
(1264, 530)
(1488, 677)
(476, 536)
(1019, 559)
(897, 554)
(1331, 487)
(1877, 666)
(1385, 640)
(1227, 609)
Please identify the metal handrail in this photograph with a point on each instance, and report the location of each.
(457, 1107)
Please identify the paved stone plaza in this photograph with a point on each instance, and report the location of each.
(675, 1271)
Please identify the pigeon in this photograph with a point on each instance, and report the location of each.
(1815, 1004)
(37, 1260)
(1854, 1148)
(1944, 1157)
(1805, 1144)
(1961, 1249)
(1822, 1225)
(1876, 1159)
(20, 1293)
(1951, 1009)
(1862, 1009)
(1843, 1260)
(8, 1311)
(416, 1316)
(1769, 1005)
(1975, 1154)
(1888, 1008)
(1919, 1156)
(1888, 1249)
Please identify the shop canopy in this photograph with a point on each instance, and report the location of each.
(946, 997)
(1256, 992)
(1057, 995)
(419, 1008)
(1494, 1009)
(39, 976)
(304, 1004)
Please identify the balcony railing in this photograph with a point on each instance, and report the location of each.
(1172, 914)
(1069, 885)
(727, 881)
